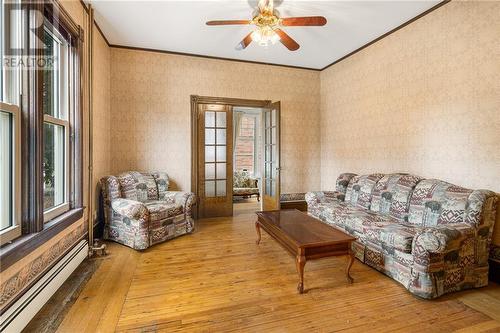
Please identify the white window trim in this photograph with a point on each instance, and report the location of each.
(62, 87)
(15, 230)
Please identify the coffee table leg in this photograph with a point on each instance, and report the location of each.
(348, 268)
(300, 262)
(257, 227)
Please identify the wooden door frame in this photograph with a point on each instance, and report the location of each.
(195, 101)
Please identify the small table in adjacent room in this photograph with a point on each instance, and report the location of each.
(305, 238)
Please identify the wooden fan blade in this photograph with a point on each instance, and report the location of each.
(287, 40)
(245, 42)
(303, 21)
(228, 22)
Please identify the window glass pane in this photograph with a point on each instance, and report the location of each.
(209, 153)
(268, 119)
(5, 170)
(273, 117)
(221, 136)
(53, 165)
(10, 43)
(50, 86)
(268, 170)
(210, 171)
(221, 188)
(272, 190)
(209, 136)
(221, 170)
(273, 137)
(268, 136)
(268, 187)
(210, 189)
(221, 153)
(268, 152)
(245, 144)
(221, 119)
(209, 119)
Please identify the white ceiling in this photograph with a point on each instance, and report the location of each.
(179, 26)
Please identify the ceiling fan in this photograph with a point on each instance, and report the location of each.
(269, 24)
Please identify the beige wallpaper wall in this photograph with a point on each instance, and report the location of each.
(150, 111)
(101, 112)
(425, 100)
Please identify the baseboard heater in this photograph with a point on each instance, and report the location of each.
(26, 307)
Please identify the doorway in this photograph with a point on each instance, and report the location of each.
(247, 159)
(234, 139)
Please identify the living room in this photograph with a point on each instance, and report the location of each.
(377, 165)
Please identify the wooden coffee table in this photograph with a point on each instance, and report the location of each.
(305, 238)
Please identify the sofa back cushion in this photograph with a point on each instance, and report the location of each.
(343, 181)
(242, 179)
(391, 195)
(359, 190)
(436, 202)
(138, 186)
(162, 183)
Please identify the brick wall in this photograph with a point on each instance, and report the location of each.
(244, 150)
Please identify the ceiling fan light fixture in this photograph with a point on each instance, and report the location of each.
(265, 35)
(256, 36)
(275, 38)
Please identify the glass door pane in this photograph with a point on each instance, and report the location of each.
(215, 140)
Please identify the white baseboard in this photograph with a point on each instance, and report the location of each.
(26, 307)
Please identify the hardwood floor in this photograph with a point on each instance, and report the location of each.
(218, 280)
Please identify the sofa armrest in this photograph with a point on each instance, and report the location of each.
(254, 182)
(442, 239)
(185, 199)
(313, 198)
(131, 209)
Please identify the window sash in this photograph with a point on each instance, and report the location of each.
(60, 115)
(59, 209)
(14, 230)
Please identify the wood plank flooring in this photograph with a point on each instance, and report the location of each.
(219, 280)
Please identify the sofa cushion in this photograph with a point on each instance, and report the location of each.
(162, 183)
(357, 217)
(391, 195)
(436, 202)
(391, 234)
(245, 190)
(138, 186)
(359, 190)
(343, 181)
(160, 210)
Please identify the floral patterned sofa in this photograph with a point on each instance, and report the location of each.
(244, 185)
(140, 211)
(431, 236)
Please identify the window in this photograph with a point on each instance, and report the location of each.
(10, 127)
(40, 48)
(55, 98)
(9, 172)
(244, 152)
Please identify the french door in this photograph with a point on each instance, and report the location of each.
(271, 168)
(215, 161)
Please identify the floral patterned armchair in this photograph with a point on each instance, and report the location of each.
(140, 211)
(244, 185)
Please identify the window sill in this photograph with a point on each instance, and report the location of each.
(20, 247)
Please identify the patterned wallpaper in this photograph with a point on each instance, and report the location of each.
(151, 111)
(101, 112)
(424, 100)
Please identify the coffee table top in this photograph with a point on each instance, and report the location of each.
(302, 229)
